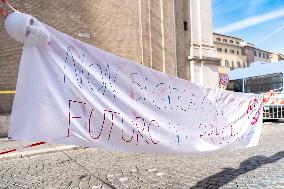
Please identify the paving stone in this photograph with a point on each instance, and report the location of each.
(258, 167)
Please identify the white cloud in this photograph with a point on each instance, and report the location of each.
(270, 34)
(250, 21)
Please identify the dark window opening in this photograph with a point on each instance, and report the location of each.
(239, 64)
(227, 63)
(185, 26)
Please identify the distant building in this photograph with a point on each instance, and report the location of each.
(276, 57)
(230, 51)
(255, 54)
(236, 53)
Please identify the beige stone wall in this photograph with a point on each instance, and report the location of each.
(183, 38)
(114, 26)
(210, 76)
(235, 52)
(276, 57)
(142, 31)
(232, 58)
(150, 32)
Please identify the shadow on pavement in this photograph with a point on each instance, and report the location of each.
(229, 174)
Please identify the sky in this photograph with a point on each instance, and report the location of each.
(260, 22)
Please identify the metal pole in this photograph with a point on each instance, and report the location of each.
(243, 85)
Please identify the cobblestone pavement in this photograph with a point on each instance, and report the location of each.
(258, 167)
(22, 146)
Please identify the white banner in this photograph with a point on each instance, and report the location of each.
(69, 92)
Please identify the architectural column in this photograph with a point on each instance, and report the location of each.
(203, 58)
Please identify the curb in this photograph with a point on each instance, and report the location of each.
(38, 152)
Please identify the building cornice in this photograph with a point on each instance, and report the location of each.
(202, 45)
(227, 44)
(204, 58)
(228, 36)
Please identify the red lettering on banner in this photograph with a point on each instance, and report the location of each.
(130, 138)
(73, 117)
(141, 130)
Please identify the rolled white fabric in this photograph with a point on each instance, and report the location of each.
(26, 29)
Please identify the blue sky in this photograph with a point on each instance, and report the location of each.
(260, 22)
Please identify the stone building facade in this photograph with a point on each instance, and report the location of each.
(255, 54)
(171, 36)
(236, 53)
(231, 51)
(275, 57)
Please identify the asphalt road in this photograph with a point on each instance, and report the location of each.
(257, 167)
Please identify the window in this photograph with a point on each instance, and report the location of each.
(225, 40)
(238, 52)
(231, 41)
(225, 50)
(267, 56)
(263, 55)
(255, 53)
(185, 26)
(219, 49)
(239, 64)
(237, 42)
(244, 65)
(233, 65)
(232, 51)
(259, 54)
(226, 63)
(218, 39)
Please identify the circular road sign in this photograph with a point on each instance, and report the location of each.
(224, 79)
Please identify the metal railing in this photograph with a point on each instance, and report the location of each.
(273, 111)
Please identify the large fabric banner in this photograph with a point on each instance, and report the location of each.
(69, 92)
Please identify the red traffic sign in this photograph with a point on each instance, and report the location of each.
(224, 79)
